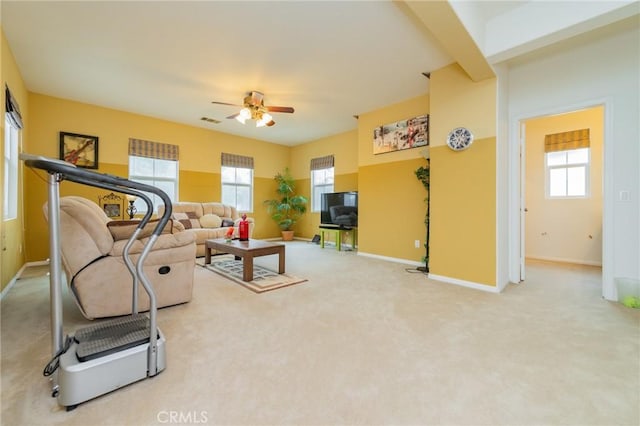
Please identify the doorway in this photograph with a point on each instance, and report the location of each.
(550, 227)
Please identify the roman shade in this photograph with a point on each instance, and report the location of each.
(12, 108)
(148, 149)
(239, 161)
(319, 163)
(565, 141)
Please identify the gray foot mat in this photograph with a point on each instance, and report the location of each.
(111, 336)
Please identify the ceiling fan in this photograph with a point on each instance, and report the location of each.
(253, 107)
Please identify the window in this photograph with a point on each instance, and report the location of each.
(11, 134)
(12, 126)
(237, 188)
(237, 181)
(321, 179)
(162, 174)
(321, 182)
(568, 173)
(567, 163)
(155, 164)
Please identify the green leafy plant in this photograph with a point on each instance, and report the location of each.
(423, 174)
(288, 207)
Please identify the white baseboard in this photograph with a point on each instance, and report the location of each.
(563, 260)
(15, 278)
(391, 259)
(463, 283)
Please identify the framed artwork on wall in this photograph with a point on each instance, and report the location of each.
(400, 135)
(81, 150)
(113, 205)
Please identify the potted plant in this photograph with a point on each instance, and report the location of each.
(288, 207)
(424, 175)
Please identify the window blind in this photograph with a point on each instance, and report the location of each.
(12, 108)
(148, 149)
(234, 160)
(322, 162)
(565, 141)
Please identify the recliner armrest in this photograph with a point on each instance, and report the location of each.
(164, 241)
(123, 229)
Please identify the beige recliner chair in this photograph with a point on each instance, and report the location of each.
(99, 280)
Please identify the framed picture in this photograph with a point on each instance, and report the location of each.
(112, 210)
(81, 150)
(113, 205)
(400, 135)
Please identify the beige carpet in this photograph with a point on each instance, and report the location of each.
(363, 342)
(263, 279)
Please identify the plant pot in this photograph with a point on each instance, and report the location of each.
(287, 235)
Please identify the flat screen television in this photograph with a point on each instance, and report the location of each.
(339, 209)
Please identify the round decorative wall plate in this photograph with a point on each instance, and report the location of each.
(459, 139)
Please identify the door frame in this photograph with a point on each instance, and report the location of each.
(516, 189)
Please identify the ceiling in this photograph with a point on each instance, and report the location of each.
(170, 59)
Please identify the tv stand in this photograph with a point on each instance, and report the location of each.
(338, 232)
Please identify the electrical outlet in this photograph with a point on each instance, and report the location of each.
(417, 243)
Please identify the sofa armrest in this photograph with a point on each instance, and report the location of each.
(123, 229)
(177, 227)
(164, 241)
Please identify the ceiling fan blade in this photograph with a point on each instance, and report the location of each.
(225, 103)
(279, 109)
(271, 123)
(234, 115)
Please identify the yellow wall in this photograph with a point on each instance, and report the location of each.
(344, 148)
(199, 158)
(12, 243)
(391, 210)
(463, 184)
(391, 198)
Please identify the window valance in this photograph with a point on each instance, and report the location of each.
(148, 149)
(322, 162)
(234, 160)
(565, 141)
(12, 108)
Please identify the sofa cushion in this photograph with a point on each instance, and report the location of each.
(210, 221)
(219, 209)
(227, 221)
(188, 219)
(183, 207)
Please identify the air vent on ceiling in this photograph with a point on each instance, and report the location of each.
(211, 120)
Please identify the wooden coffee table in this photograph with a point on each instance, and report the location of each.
(247, 250)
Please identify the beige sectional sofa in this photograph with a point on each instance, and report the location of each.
(205, 221)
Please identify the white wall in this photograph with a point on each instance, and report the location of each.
(606, 72)
(565, 230)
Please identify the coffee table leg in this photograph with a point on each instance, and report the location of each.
(247, 268)
(207, 255)
(281, 261)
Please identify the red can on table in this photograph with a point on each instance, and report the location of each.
(244, 228)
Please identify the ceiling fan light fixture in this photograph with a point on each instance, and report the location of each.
(264, 119)
(245, 113)
(255, 109)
